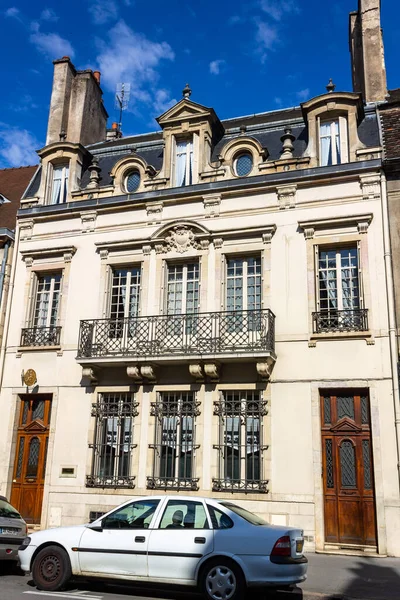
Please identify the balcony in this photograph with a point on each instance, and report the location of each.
(212, 334)
(40, 336)
(349, 320)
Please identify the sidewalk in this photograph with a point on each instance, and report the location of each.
(332, 577)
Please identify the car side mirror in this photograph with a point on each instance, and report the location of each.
(96, 526)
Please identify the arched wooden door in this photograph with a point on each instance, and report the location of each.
(30, 457)
(349, 495)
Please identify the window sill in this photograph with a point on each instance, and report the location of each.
(22, 349)
(338, 335)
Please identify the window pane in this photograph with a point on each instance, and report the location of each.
(136, 515)
(184, 514)
(244, 164)
(219, 519)
(348, 465)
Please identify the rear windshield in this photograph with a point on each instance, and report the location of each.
(6, 510)
(245, 514)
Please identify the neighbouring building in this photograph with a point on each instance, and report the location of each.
(205, 309)
(13, 183)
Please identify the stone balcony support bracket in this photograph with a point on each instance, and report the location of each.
(265, 368)
(208, 371)
(146, 373)
(91, 374)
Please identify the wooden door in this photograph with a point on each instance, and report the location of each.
(30, 457)
(349, 497)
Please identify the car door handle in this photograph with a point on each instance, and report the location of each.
(140, 538)
(199, 540)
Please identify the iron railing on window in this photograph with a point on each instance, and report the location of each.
(40, 336)
(112, 445)
(240, 444)
(166, 335)
(355, 319)
(174, 444)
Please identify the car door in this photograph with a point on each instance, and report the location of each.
(119, 546)
(182, 536)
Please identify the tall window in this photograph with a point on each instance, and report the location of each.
(339, 295)
(47, 300)
(333, 141)
(243, 293)
(125, 293)
(182, 288)
(184, 163)
(113, 441)
(240, 441)
(59, 184)
(173, 466)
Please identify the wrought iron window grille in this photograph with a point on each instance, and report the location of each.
(355, 319)
(174, 445)
(240, 447)
(112, 446)
(40, 336)
(166, 335)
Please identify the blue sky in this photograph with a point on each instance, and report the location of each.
(238, 57)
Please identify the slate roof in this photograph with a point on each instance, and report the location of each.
(267, 128)
(13, 183)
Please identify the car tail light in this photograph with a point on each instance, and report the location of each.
(282, 547)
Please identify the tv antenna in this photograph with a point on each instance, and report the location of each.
(122, 96)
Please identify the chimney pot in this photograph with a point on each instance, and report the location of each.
(114, 126)
(97, 76)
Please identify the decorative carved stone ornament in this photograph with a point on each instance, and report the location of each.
(268, 234)
(148, 372)
(26, 229)
(154, 212)
(91, 374)
(370, 186)
(212, 204)
(181, 238)
(133, 372)
(218, 243)
(212, 371)
(196, 371)
(286, 196)
(264, 369)
(88, 220)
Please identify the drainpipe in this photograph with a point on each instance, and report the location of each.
(3, 267)
(8, 307)
(394, 354)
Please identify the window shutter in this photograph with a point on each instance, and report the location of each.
(32, 299)
(316, 271)
(360, 281)
(343, 135)
(196, 156)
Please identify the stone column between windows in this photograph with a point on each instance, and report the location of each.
(147, 269)
(142, 464)
(266, 275)
(203, 438)
(209, 270)
(157, 284)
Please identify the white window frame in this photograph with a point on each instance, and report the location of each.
(48, 323)
(341, 123)
(245, 279)
(64, 180)
(185, 280)
(129, 284)
(188, 144)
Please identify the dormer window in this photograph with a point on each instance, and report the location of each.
(184, 163)
(59, 184)
(333, 142)
(132, 181)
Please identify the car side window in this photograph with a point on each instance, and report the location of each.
(184, 514)
(219, 519)
(136, 515)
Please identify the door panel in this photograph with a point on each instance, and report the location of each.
(349, 497)
(30, 457)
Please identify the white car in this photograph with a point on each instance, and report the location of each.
(216, 545)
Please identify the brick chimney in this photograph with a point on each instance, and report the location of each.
(367, 55)
(76, 113)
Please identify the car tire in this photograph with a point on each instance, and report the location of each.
(222, 579)
(51, 569)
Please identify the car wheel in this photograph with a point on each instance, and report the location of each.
(51, 569)
(222, 579)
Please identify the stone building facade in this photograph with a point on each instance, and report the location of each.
(203, 309)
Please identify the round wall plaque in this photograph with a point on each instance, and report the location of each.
(30, 377)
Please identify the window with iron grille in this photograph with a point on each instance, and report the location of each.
(174, 447)
(339, 300)
(43, 329)
(113, 441)
(240, 444)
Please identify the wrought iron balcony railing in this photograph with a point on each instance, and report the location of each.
(40, 336)
(240, 485)
(172, 483)
(174, 335)
(114, 481)
(355, 319)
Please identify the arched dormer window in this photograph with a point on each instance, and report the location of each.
(332, 121)
(129, 175)
(244, 156)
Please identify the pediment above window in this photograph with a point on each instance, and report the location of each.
(187, 111)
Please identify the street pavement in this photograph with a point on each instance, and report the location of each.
(330, 577)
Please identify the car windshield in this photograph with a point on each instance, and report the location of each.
(6, 510)
(245, 514)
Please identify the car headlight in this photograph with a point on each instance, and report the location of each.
(25, 543)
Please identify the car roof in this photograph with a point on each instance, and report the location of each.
(3, 498)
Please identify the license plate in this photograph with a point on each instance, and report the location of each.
(8, 531)
(299, 545)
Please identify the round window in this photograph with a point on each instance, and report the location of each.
(132, 181)
(244, 164)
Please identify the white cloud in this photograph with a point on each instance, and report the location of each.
(17, 147)
(130, 57)
(13, 12)
(48, 14)
(215, 66)
(52, 44)
(162, 101)
(303, 94)
(103, 11)
(266, 36)
(276, 9)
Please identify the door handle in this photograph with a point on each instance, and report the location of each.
(140, 538)
(199, 540)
